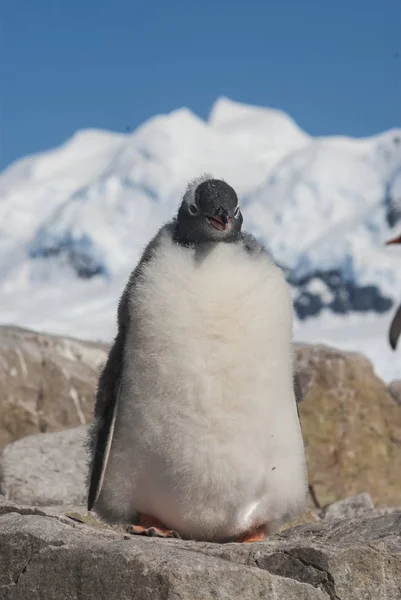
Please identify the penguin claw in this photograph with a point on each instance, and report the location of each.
(151, 527)
(152, 532)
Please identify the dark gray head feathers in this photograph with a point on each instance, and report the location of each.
(209, 212)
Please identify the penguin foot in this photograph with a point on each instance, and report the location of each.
(151, 527)
(258, 534)
(152, 531)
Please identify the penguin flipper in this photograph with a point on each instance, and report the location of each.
(101, 432)
(395, 329)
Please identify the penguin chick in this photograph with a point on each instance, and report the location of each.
(196, 432)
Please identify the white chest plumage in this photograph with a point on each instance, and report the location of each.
(206, 436)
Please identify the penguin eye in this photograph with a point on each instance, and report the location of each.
(193, 209)
(236, 212)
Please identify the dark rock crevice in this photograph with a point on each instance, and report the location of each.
(295, 566)
(25, 568)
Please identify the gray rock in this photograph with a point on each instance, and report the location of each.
(47, 382)
(395, 390)
(351, 426)
(48, 557)
(45, 469)
(350, 507)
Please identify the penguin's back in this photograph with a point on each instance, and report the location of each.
(207, 429)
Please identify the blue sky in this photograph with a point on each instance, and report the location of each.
(334, 66)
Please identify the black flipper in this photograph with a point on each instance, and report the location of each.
(101, 432)
(395, 329)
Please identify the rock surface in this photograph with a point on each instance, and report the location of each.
(355, 506)
(49, 557)
(45, 469)
(360, 505)
(46, 382)
(351, 427)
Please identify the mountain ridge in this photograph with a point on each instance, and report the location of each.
(73, 220)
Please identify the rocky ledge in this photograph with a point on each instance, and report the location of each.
(47, 555)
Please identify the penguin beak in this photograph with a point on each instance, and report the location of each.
(396, 240)
(221, 220)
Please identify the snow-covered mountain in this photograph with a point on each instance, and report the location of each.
(73, 220)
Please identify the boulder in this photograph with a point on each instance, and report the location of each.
(48, 556)
(354, 506)
(351, 427)
(47, 382)
(45, 469)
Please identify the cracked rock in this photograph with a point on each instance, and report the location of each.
(45, 556)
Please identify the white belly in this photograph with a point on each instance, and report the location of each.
(207, 437)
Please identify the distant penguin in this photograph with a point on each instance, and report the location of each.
(196, 432)
(395, 327)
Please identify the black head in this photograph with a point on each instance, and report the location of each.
(209, 212)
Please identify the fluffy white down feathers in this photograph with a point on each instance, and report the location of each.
(207, 437)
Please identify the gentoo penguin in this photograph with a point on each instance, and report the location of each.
(395, 327)
(196, 432)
